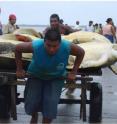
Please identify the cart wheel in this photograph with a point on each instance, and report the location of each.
(95, 112)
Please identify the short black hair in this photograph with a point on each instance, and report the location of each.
(55, 16)
(96, 24)
(109, 20)
(61, 21)
(52, 35)
(90, 21)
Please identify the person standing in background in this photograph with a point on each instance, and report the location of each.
(109, 31)
(11, 26)
(0, 28)
(78, 26)
(61, 21)
(90, 27)
(96, 28)
(55, 23)
(100, 28)
(0, 25)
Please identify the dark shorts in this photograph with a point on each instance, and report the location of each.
(110, 37)
(42, 96)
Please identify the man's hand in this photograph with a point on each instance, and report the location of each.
(71, 76)
(20, 73)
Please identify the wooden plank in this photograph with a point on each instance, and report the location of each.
(13, 102)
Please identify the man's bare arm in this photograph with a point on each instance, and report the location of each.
(19, 49)
(114, 33)
(79, 53)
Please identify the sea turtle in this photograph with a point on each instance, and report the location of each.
(99, 52)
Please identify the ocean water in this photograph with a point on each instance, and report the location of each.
(38, 28)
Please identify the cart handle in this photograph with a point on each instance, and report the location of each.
(83, 78)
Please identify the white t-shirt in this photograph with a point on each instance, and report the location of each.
(89, 28)
(77, 27)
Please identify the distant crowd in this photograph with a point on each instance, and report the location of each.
(108, 30)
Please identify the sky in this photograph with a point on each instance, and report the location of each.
(38, 12)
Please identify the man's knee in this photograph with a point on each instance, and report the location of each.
(31, 107)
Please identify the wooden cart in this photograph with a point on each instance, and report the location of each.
(86, 83)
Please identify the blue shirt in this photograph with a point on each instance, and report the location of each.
(45, 66)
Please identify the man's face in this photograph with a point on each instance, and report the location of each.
(90, 23)
(54, 22)
(77, 22)
(52, 46)
(111, 22)
(12, 21)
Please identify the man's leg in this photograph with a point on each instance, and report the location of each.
(52, 92)
(46, 121)
(34, 118)
(32, 97)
